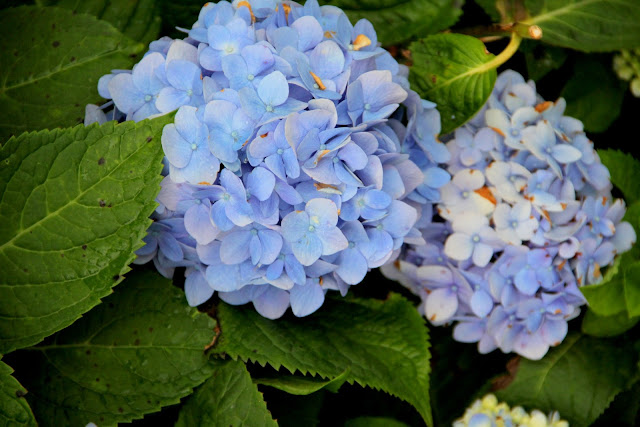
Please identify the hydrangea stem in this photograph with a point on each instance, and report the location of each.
(507, 53)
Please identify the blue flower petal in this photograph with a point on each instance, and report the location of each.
(273, 90)
(307, 249)
(273, 303)
(235, 247)
(353, 266)
(197, 289)
(306, 299)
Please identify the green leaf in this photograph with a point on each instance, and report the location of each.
(579, 378)
(74, 206)
(374, 422)
(396, 21)
(587, 25)
(489, 6)
(623, 167)
(14, 409)
(542, 59)
(607, 297)
(594, 94)
(624, 410)
(135, 19)
(228, 398)
(303, 385)
(607, 326)
(51, 71)
(619, 291)
(454, 71)
(384, 344)
(142, 349)
(632, 289)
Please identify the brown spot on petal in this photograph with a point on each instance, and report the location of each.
(248, 6)
(596, 270)
(264, 135)
(287, 10)
(543, 106)
(318, 81)
(498, 131)
(487, 194)
(321, 186)
(361, 41)
(322, 154)
(546, 215)
(432, 318)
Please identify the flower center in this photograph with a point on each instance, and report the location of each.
(352, 245)
(465, 194)
(194, 147)
(254, 231)
(250, 77)
(280, 151)
(476, 238)
(269, 108)
(147, 98)
(234, 134)
(190, 92)
(312, 228)
(367, 106)
(226, 196)
(514, 224)
(229, 49)
(514, 132)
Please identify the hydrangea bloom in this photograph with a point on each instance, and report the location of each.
(488, 412)
(526, 219)
(288, 164)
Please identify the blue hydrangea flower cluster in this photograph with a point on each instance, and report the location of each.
(488, 412)
(288, 169)
(526, 219)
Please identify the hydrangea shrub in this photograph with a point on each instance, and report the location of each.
(155, 180)
(287, 173)
(526, 219)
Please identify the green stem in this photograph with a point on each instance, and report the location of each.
(507, 53)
